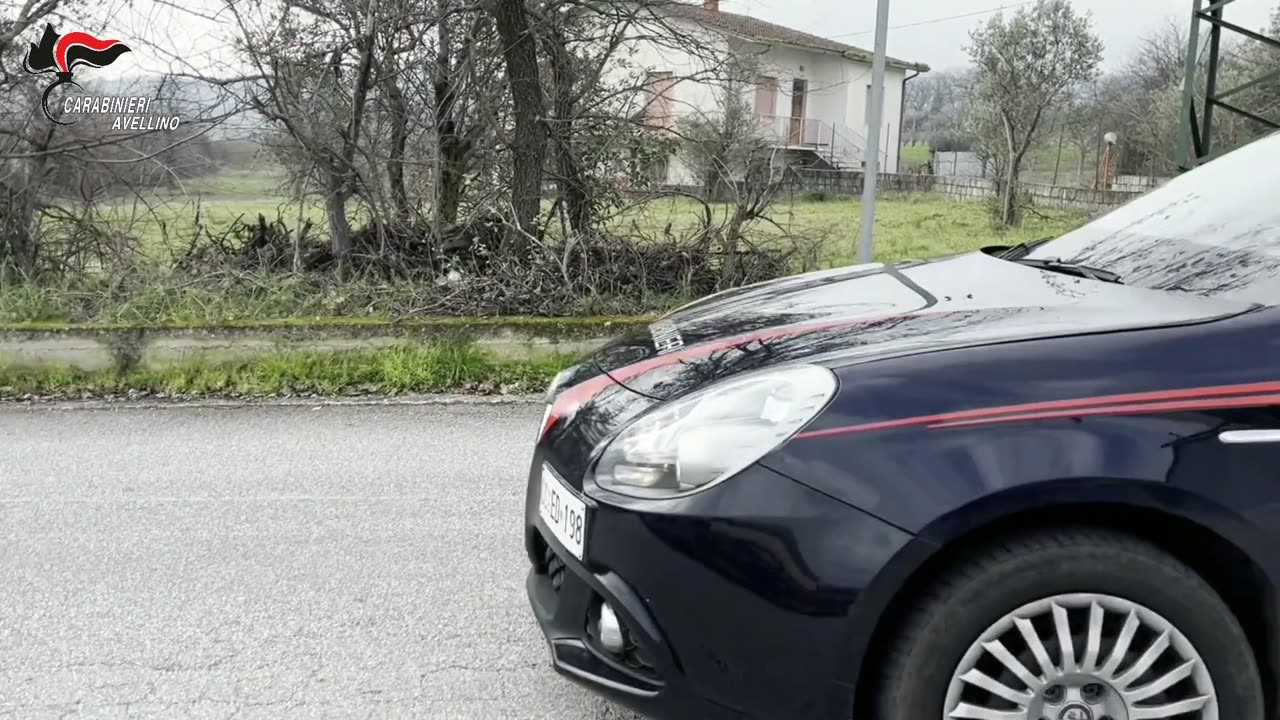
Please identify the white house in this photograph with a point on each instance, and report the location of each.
(811, 96)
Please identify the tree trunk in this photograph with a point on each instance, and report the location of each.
(453, 175)
(399, 142)
(1057, 164)
(529, 144)
(19, 226)
(19, 248)
(729, 245)
(342, 170)
(573, 189)
(452, 147)
(336, 210)
(1008, 192)
(446, 178)
(302, 216)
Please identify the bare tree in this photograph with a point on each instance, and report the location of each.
(528, 109)
(21, 177)
(320, 71)
(920, 96)
(942, 115)
(572, 53)
(728, 153)
(461, 72)
(1160, 58)
(17, 18)
(50, 173)
(1025, 65)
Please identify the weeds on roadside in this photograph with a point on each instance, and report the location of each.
(393, 370)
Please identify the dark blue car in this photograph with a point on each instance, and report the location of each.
(1038, 482)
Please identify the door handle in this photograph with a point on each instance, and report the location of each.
(1247, 437)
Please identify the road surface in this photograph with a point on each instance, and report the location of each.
(271, 562)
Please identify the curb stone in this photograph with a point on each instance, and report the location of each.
(55, 404)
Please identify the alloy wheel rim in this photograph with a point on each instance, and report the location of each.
(1081, 656)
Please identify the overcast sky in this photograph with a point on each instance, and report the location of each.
(934, 34)
(940, 42)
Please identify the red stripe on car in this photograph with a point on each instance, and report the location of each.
(1171, 406)
(1182, 399)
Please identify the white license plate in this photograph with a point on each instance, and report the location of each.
(563, 513)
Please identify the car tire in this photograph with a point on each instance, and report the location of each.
(948, 623)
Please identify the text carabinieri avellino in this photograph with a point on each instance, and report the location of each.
(132, 112)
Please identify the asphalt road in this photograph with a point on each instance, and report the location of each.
(271, 562)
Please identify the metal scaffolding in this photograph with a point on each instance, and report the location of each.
(1195, 137)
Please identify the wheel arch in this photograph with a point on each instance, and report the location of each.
(1215, 543)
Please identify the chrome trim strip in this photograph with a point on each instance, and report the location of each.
(1245, 437)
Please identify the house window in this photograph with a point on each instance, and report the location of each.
(659, 111)
(766, 97)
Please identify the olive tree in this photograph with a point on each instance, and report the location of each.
(1026, 65)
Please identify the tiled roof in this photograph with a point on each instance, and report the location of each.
(758, 30)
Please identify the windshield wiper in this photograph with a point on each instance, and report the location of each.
(1021, 250)
(1069, 268)
(1018, 254)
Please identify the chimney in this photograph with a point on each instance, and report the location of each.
(711, 5)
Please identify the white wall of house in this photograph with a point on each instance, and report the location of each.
(836, 88)
(826, 78)
(687, 97)
(891, 130)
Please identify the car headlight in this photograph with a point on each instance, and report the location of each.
(699, 440)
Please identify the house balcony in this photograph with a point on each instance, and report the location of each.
(795, 133)
(835, 145)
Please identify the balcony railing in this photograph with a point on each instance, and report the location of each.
(795, 132)
(838, 145)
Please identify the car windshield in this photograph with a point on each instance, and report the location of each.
(1214, 231)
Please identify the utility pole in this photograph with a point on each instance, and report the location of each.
(871, 156)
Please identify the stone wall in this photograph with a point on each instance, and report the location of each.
(126, 348)
(1140, 183)
(1078, 198)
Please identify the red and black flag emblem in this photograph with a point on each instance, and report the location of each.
(62, 54)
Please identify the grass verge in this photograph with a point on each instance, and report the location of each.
(387, 371)
(553, 326)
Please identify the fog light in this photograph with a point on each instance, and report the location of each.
(610, 630)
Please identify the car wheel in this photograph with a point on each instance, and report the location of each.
(1070, 624)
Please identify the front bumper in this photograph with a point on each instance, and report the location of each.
(738, 602)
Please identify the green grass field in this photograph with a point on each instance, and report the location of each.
(827, 230)
(167, 219)
(907, 227)
(914, 156)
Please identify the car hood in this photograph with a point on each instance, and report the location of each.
(850, 314)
